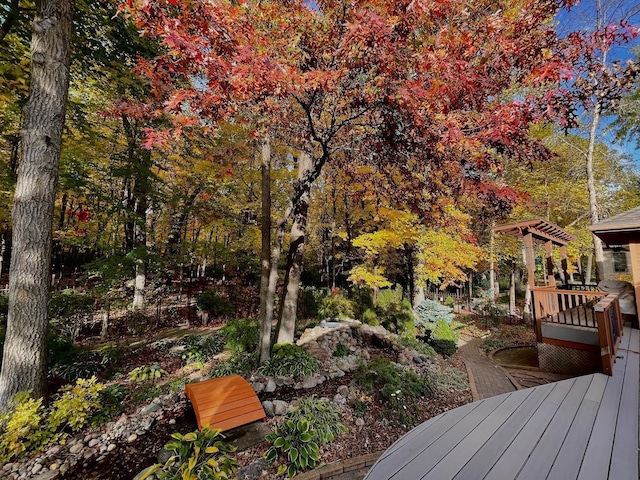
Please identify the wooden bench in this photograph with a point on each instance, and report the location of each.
(224, 403)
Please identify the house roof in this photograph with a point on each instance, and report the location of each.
(541, 230)
(629, 220)
(619, 229)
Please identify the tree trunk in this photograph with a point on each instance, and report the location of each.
(492, 266)
(23, 366)
(296, 251)
(589, 268)
(512, 290)
(264, 347)
(591, 187)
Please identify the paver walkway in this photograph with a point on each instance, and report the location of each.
(486, 377)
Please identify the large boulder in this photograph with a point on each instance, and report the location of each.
(626, 294)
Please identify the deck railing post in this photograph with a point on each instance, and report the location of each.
(605, 336)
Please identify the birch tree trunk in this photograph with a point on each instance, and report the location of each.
(296, 250)
(591, 187)
(23, 365)
(264, 347)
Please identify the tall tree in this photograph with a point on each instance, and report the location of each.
(420, 90)
(600, 82)
(23, 365)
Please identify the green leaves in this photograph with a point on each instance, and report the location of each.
(146, 372)
(297, 437)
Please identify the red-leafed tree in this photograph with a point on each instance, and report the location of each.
(433, 93)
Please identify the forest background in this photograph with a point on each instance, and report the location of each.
(373, 144)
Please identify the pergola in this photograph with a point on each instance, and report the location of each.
(541, 232)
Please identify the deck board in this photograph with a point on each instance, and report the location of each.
(584, 428)
(485, 458)
(509, 464)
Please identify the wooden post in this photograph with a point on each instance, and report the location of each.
(531, 267)
(634, 252)
(548, 248)
(563, 262)
(605, 336)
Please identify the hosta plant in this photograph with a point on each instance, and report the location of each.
(147, 372)
(295, 442)
(289, 361)
(196, 455)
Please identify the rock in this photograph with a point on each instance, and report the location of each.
(172, 421)
(309, 382)
(257, 386)
(359, 422)
(54, 466)
(271, 386)
(36, 468)
(268, 408)
(88, 453)
(50, 475)
(253, 471)
(279, 407)
(164, 455)
(54, 450)
(343, 390)
(111, 447)
(152, 407)
(93, 442)
(76, 448)
(339, 399)
(132, 438)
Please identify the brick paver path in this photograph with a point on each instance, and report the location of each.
(487, 378)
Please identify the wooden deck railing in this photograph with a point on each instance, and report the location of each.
(609, 318)
(568, 307)
(597, 310)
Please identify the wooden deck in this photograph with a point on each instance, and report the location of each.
(224, 403)
(585, 428)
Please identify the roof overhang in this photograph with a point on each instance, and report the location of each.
(540, 230)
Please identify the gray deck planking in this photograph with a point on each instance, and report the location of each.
(438, 450)
(509, 464)
(471, 443)
(486, 456)
(544, 453)
(624, 460)
(585, 428)
(569, 459)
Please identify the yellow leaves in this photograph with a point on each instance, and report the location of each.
(444, 256)
(362, 275)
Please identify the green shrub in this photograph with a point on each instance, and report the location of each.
(197, 455)
(147, 372)
(113, 403)
(370, 317)
(396, 316)
(214, 304)
(429, 312)
(399, 387)
(341, 351)
(297, 438)
(383, 377)
(61, 350)
(417, 345)
(308, 306)
(450, 302)
(67, 303)
(289, 360)
(71, 372)
(362, 300)
(239, 363)
(242, 334)
(112, 354)
(443, 339)
(28, 427)
(335, 306)
(199, 348)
